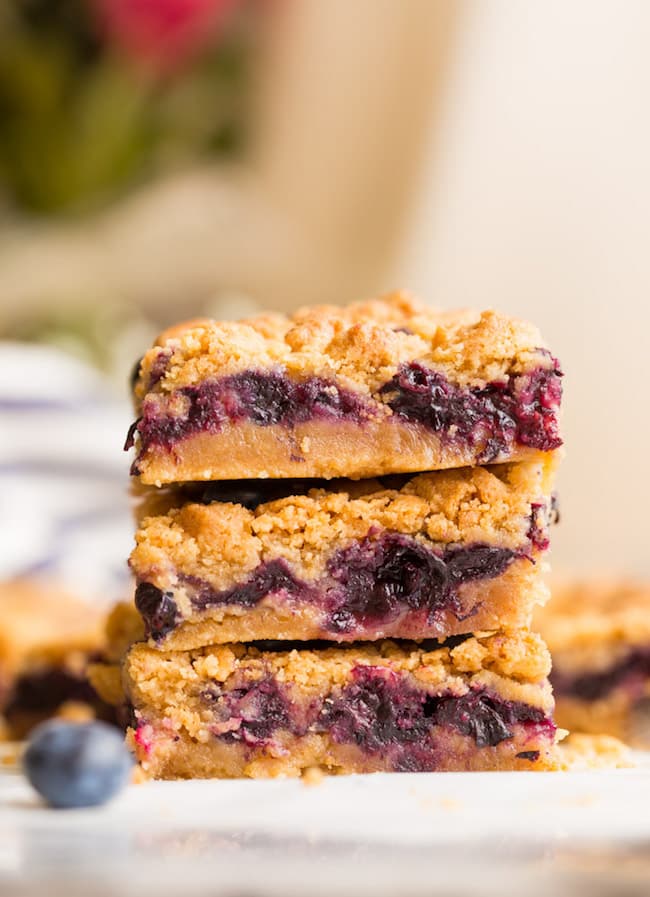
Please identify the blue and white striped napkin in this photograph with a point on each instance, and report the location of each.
(64, 506)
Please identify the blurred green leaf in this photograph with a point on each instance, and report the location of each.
(78, 125)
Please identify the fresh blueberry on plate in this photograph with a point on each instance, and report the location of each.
(77, 765)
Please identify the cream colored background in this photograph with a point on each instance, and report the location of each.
(483, 152)
(540, 204)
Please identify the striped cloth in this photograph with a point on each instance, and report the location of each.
(64, 505)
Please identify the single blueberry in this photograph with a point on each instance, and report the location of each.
(157, 608)
(77, 765)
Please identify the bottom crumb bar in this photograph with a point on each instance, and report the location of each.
(474, 703)
(599, 634)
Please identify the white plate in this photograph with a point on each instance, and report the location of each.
(447, 833)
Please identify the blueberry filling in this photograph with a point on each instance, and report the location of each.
(378, 711)
(631, 672)
(376, 580)
(487, 720)
(156, 372)
(521, 409)
(268, 579)
(264, 398)
(160, 613)
(252, 713)
(371, 582)
(159, 367)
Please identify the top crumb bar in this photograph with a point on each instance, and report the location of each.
(388, 386)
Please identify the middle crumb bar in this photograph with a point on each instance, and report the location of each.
(436, 555)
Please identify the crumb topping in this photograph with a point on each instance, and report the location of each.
(172, 684)
(222, 542)
(361, 346)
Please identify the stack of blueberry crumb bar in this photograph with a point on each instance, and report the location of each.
(343, 522)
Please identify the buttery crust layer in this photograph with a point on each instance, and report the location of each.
(321, 449)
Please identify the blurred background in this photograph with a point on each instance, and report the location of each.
(166, 158)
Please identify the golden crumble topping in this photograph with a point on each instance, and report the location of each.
(361, 345)
(171, 684)
(222, 542)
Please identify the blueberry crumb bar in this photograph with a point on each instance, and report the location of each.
(429, 556)
(266, 710)
(388, 386)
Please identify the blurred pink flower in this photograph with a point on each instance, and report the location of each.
(161, 35)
